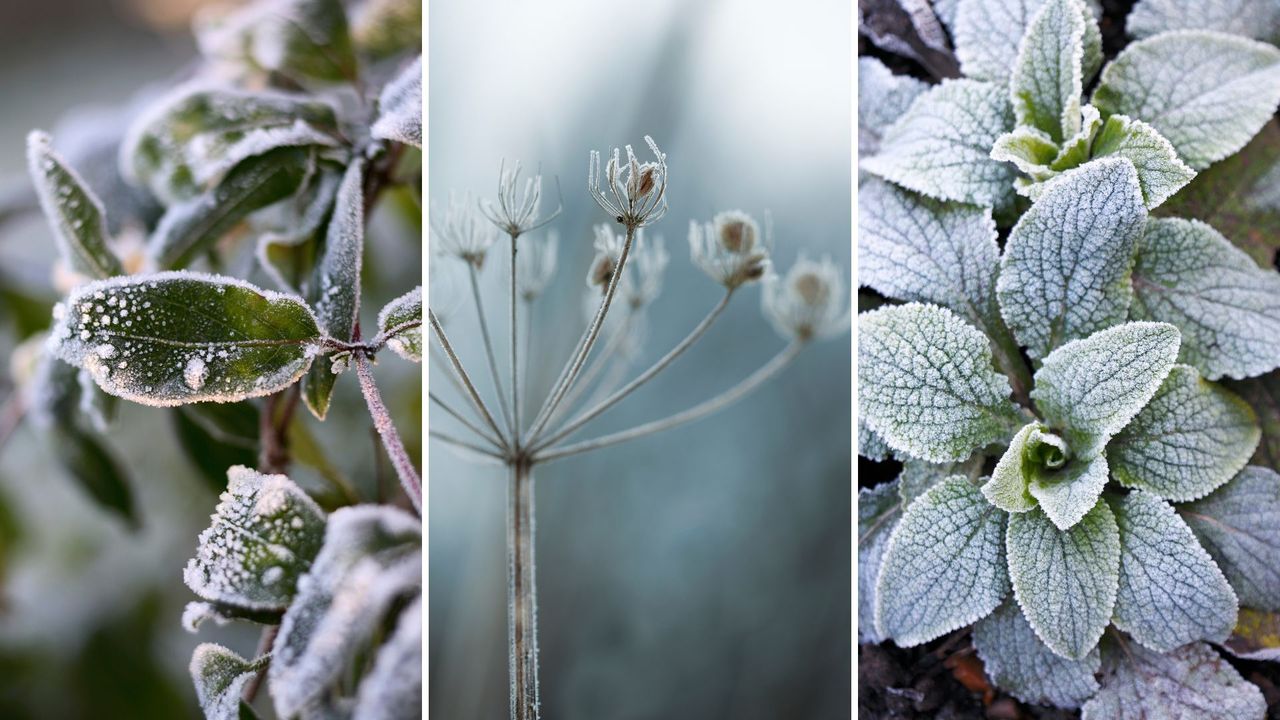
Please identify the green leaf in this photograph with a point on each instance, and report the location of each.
(878, 514)
(1047, 78)
(1258, 20)
(1065, 271)
(927, 383)
(384, 28)
(1207, 92)
(871, 445)
(1065, 581)
(918, 477)
(75, 214)
(1160, 172)
(1026, 668)
(1227, 308)
(215, 436)
(86, 458)
(1189, 440)
(1091, 388)
(178, 337)
(943, 567)
(1189, 683)
(1077, 149)
(289, 253)
(1007, 487)
(882, 98)
(1239, 524)
(220, 677)
(1066, 495)
(989, 33)
(1171, 593)
(262, 538)
(304, 40)
(1256, 636)
(396, 321)
(1029, 149)
(941, 146)
(400, 108)
(393, 688)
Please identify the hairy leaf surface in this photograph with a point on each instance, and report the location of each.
(882, 98)
(396, 320)
(1025, 667)
(1067, 494)
(1263, 395)
(400, 108)
(1047, 78)
(75, 214)
(220, 676)
(918, 477)
(1239, 524)
(1190, 683)
(1258, 20)
(879, 511)
(1007, 488)
(393, 688)
(1161, 173)
(870, 444)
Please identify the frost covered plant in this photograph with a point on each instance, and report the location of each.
(290, 131)
(623, 281)
(1075, 366)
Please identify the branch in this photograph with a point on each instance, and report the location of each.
(387, 430)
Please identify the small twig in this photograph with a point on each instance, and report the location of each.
(461, 374)
(408, 474)
(466, 423)
(265, 641)
(464, 445)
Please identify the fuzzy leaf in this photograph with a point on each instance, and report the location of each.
(989, 33)
(400, 108)
(1092, 388)
(264, 533)
(1239, 524)
(882, 98)
(1256, 636)
(1047, 80)
(400, 315)
(393, 688)
(1007, 488)
(1065, 581)
(1025, 667)
(1065, 271)
(918, 477)
(1208, 93)
(871, 445)
(1190, 683)
(1066, 495)
(1189, 440)
(1029, 149)
(928, 386)
(1160, 172)
(1171, 593)
(220, 676)
(1227, 308)
(944, 565)
(75, 214)
(878, 514)
(941, 146)
(177, 337)
(1258, 20)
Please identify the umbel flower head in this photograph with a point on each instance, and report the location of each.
(459, 231)
(516, 211)
(641, 281)
(536, 264)
(809, 302)
(730, 248)
(633, 193)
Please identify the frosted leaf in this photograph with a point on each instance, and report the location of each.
(252, 342)
(1047, 78)
(220, 676)
(288, 253)
(1190, 683)
(1007, 488)
(927, 383)
(1208, 93)
(1258, 19)
(196, 614)
(882, 98)
(399, 315)
(1067, 494)
(371, 559)
(1227, 308)
(1020, 664)
(393, 688)
(1189, 440)
(264, 533)
(301, 39)
(878, 514)
(1029, 149)
(75, 214)
(1077, 150)
(1091, 388)
(1065, 581)
(1038, 470)
(400, 108)
(1263, 395)
(946, 12)
(1160, 172)
(941, 146)
(1239, 524)
(1256, 636)
(871, 445)
(988, 35)
(1065, 271)
(911, 247)
(1171, 593)
(918, 477)
(944, 565)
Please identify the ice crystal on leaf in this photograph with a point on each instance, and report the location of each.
(396, 320)
(220, 676)
(1239, 524)
(401, 107)
(1250, 18)
(1189, 683)
(1020, 663)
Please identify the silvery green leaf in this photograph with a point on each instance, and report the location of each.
(1239, 524)
(1065, 581)
(220, 676)
(1190, 683)
(1258, 20)
(1227, 308)
(946, 11)
(288, 254)
(1092, 388)
(928, 385)
(941, 146)
(401, 321)
(1189, 440)
(1160, 172)
(1047, 78)
(918, 477)
(1065, 271)
(400, 108)
(393, 688)
(944, 566)
(1207, 92)
(178, 337)
(1030, 150)
(1263, 395)
(304, 40)
(1026, 668)
(75, 214)
(882, 98)
(912, 247)
(871, 445)
(1008, 486)
(1077, 150)
(989, 33)
(1256, 636)
(262, 538)
(879, 511)
(1066, 495)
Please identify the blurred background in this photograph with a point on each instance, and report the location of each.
(705, 572)
(90, 608)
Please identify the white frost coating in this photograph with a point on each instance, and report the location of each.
(878, 514)
(400, 106)
(1207, 92)
(1227, 307)
(1047, 78)
(944, 565)
(275, 248)
(1066, 495)
(1023, 666)
(195, 373)
(882, 98)
(1065, 271)
(1065, 582)
(809, 302)
(988, 33)
(1008, 486)
(393, 688)
(1239, 524)
(220, 676)
(336, 291)
(74, 212)
(1161, 173)
(1170, 593)
(1188, 441)
(870, 444)
(406, 343)
(919, 477)
(928, 385)
(941, 146)
(1091, 388)
(1190, 683)
(1257, 19)
(196, 614)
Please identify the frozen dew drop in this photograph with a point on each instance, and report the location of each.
(194, 373)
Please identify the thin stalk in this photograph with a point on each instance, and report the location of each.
(594, 369)
(488, 352)
(464, 445)
(644, 377)
(265, 641)
(528, 342)
(497, 445)
(387, 430)
(737, 392)
(515, 367)
(461, 374)
(522, 602)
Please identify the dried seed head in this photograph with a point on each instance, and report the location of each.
(809, 302)
(737, 231)
(631, 192)
(601, 271)
(730, 248)
(516, 210)
(459, 231)
(812, 288)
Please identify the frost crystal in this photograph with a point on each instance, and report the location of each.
(220, 676)
(1189, 683)
(878, 514)
(1018, 662)
(1239, 524)
(403, 311)
(393, 688)
(401, 108)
